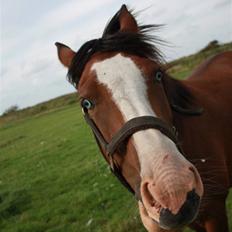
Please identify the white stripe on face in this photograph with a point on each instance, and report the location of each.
(125, 82)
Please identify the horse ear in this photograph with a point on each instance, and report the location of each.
(123, 20)
(65, 54)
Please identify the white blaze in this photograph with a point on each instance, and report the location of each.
(125, 82)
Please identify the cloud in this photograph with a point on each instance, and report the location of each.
(30, 70)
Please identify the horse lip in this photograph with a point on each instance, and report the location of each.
(178, 224)
(157, 206)
(187, 213)
(153, 220)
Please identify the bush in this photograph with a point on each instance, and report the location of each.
(211, 45)
(11, 109)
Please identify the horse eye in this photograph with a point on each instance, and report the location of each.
(158, 76)
(87, 104)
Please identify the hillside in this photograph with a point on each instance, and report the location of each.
(52, 176)
(180, 69)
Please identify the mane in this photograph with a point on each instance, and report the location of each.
(142, 44)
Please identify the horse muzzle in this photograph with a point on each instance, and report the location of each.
(172, 199)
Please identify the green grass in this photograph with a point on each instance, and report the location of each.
(48, 106)
(181, 68)
(53, 178)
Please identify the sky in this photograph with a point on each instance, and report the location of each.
(29, 68)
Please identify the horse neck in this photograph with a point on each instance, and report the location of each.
(208, 136)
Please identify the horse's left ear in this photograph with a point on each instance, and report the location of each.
(65, 54)
(123, 21)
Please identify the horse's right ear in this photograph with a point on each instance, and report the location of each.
(123, 20)
(65, 54)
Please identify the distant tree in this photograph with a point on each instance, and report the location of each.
(211, 45)
(11, 109)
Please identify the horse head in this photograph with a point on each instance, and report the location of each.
(120, 78)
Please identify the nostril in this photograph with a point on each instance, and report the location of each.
(198, 183)
(194, 171)
(191, 168)
(186, 214)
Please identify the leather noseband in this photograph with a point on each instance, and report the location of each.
(127, 130)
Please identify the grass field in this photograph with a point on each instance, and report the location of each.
(52, 176)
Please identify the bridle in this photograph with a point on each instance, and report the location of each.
(110, 148)
(121, 137)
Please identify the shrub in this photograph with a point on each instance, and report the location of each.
(11, 109)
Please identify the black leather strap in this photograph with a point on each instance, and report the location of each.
(128, 129)
(99, 137)
(138, 124)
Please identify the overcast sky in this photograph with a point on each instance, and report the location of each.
(29, 68)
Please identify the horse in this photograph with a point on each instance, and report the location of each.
(168, 141)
